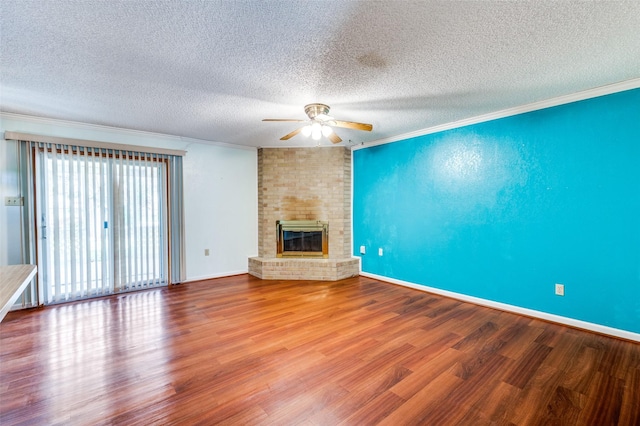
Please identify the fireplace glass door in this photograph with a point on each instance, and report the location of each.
(302, 241)
(302, 238)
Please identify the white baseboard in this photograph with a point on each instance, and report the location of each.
(597, 328)
(210, 277)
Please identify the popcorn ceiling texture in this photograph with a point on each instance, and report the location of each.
(211, 70)
(304, 184)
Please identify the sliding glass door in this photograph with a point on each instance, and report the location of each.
(103, 221)
(140, 244)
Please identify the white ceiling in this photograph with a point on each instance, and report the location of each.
(212, 70)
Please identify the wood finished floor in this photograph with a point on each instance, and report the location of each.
(243, 351)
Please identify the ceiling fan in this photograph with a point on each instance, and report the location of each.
(320, 124)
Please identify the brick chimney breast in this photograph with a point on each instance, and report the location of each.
(305, 184)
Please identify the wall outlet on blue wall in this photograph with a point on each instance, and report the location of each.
(560, 289)
(380, 251)
(363, 250)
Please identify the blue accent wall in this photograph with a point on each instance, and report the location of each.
(505, 209)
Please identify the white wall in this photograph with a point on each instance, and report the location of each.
(220, 187)
(10, 249)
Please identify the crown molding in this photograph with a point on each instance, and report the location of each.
(76, 125)
(16, 136)
(535, 106)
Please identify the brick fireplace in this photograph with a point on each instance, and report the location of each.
(304, 184)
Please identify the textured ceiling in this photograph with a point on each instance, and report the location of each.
(213, 69)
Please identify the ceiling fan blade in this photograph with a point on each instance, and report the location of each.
(334, 138)
(283, 119)
(353, 125)
(290, 135)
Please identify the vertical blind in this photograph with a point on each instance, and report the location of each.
(141, 247)
(104, 220)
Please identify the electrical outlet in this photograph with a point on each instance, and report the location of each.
(206, 252)
(13, 201)
(363, 250)
(380, 251)
(560, 289)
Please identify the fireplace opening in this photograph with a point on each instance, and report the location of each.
(302, 238)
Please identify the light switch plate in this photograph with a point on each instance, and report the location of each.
(13, 201)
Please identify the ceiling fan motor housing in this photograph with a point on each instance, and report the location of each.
(313, 110)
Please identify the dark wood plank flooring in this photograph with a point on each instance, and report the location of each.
(240, 350)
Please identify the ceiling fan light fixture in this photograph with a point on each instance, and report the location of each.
(316, 131)
(320, 124)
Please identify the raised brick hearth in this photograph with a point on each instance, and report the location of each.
(304, 184)
(303, 269)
